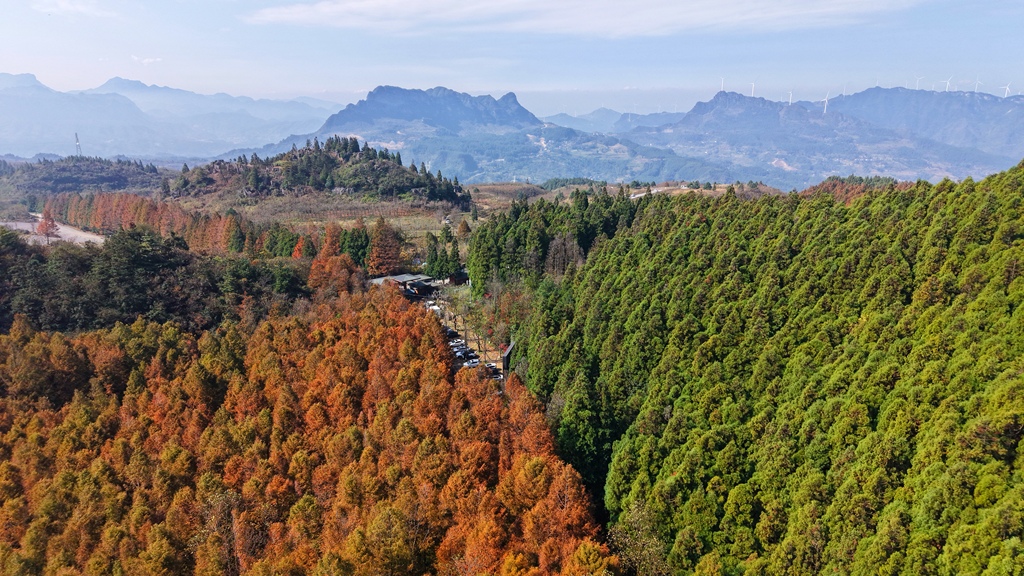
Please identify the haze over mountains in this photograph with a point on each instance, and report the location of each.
(481, 139)
(907, 134)
(126, 117)
(799, 144)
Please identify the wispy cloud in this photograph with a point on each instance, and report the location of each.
(612, 18)
(145, 61)
(71, 7)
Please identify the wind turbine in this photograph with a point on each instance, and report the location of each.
(1007, 88)
(790, 97)
(723, 84)
(826, 102)
(947, 82)
(751, 89)
(977, 83)
(918, 85)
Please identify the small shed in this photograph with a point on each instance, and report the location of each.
(506, 359)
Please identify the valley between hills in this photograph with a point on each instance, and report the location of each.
(752, 338)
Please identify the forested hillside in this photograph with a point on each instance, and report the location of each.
(786, 385)
(850, 187)
(167, 264)
(339, 167)
(76, 174)
(135, 273)
(329, 440)
(545, 237)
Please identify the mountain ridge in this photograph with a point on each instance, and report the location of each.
(909, 134)
(437, 107)
(129, 118)
(802, 143)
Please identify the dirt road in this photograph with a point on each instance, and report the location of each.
(64, 232)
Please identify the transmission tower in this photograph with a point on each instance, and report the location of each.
(78, 146)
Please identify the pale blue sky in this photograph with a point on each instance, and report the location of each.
(557, 55)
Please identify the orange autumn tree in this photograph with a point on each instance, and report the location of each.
(337, 441)
(385, 249)
(300, 248)
(47, 226)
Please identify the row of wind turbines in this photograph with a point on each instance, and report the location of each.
(949, 81)
(917, 86)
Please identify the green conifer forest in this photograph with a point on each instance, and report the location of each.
(792, 384)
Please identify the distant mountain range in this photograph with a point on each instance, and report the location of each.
(610, 121)
(483, 139)
(126, 117)
(796, 145)
(976, 120)
(908, 134)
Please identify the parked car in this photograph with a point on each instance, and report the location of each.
(456, 343)
(471, 364)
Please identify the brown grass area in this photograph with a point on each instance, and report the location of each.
(499, 196)
(311, 211)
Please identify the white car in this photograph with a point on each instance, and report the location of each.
(457, 343)
(472, 364)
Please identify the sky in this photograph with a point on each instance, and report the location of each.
(557, 55)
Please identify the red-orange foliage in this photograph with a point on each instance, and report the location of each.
(300, 246)
(385, 249)
(846, 190)
(47, 226)
(332, 275)
(336, 440)
(332, 241)
(109, 213)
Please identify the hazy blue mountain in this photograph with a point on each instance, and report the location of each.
(630, 121)
(480, 139)
(608, 121)
(434, 110)
(907, 134)
(165, 102)
(18, 81)
(800, 144)
(731, 137)
(126, 117)
(319, 103)
(967, 119)
(600, 120)
(231, 121)
(35, 119)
